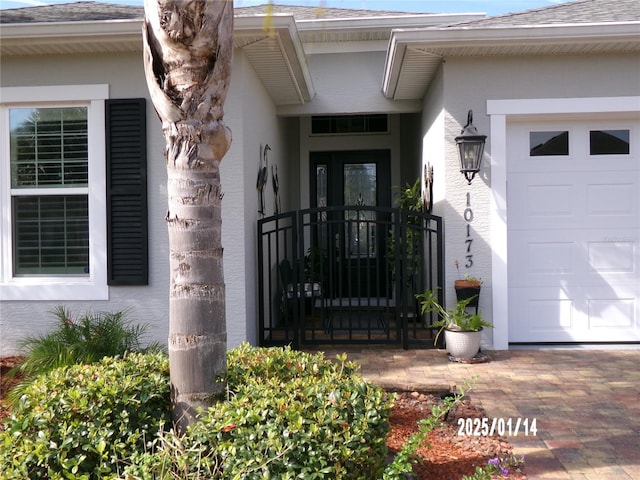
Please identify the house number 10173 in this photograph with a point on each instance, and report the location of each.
(468, 217)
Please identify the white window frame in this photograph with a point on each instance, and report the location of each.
(58, 288)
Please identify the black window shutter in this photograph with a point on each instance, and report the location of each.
(127, 249)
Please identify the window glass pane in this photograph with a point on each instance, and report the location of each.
(609, 142)
(51, 235)
(49, 147)
(548, 143)
(320, 125)
(378, 123)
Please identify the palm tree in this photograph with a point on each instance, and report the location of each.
(188, 49)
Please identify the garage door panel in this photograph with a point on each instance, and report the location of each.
(612, 312)
(543, 201)
(573, 314)
(615, 200)
(542, 314)
(578, 157)
(572, 164)
(618, 258)
(585, 257)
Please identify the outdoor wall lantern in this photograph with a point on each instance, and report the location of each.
(471, 146)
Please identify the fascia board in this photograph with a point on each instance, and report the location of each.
(297, 59)
(393, 66)
(82, 37)
(390, 22)
(465, 36)
(20, 31)
(352, 46)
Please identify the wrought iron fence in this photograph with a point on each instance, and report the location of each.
(348, 275)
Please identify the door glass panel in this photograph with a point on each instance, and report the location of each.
(548, 143)
(322, 201)
(360, 190)
(609, 142)
(321, 186)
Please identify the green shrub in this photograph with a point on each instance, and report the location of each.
(289, 415)
(81, 422)
(81, 340)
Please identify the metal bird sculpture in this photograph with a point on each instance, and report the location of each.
(276, 187)
(263, 173)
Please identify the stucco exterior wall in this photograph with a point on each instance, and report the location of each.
(147, 304)
(348, 83)
(467, 84)
(250, 114)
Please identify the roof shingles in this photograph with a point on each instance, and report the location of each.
(71, 12)
(83, 11)
(577, 11)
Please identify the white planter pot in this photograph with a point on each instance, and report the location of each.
(462, 344)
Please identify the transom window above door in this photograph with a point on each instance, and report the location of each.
(349, 124)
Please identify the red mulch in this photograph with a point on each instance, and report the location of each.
(6, 364)
(449, 457)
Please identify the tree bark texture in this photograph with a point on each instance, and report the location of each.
(188, 48)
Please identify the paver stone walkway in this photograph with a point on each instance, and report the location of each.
(586, 403)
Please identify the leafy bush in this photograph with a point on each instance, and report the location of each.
(81, 422)
(86, 339)
(289, 415)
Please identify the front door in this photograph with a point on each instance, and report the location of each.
(354, 238)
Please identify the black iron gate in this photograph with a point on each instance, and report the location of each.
(347, 275)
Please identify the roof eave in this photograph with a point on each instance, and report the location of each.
(435, 43)
(281, 41)
(390, 22)
(291, 84)
(60, 37)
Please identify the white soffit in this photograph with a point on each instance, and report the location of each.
(66, 38)
(415, 54)
(277, 56)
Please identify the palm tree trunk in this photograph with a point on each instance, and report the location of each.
(188, 49)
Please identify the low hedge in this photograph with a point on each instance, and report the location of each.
(287, 414)
(84, 421)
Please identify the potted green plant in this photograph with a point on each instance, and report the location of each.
(462, 329)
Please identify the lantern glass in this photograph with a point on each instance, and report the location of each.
(471, 149)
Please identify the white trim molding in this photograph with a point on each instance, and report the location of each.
(63, 288)
(500, 112)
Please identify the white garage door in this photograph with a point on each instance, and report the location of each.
(573, 208)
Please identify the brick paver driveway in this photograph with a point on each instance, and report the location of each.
(586, 402)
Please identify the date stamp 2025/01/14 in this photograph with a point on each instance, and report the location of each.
(512, 427)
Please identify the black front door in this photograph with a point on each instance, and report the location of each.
(354, 237)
